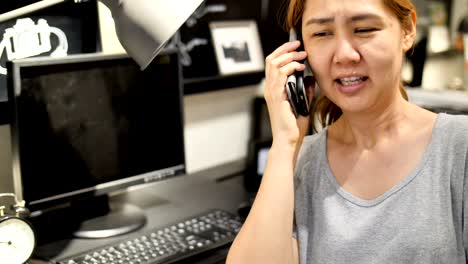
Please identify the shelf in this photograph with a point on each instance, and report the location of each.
(214, 83)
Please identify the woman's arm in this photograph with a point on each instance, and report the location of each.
(267, 234)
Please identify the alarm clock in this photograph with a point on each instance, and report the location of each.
(17, 237)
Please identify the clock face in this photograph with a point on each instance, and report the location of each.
(17, 240)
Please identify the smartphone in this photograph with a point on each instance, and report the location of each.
(297, 83)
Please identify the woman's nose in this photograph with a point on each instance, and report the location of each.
(346, 52)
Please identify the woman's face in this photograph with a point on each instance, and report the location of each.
(355, 48)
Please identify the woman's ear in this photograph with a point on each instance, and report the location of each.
(409, 32)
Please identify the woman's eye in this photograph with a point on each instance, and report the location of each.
(322, 34)
(365, 30)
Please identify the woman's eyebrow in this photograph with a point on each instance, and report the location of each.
(361, 17)
(354, 18)
(320, 20)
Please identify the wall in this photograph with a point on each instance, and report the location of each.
(217, 126)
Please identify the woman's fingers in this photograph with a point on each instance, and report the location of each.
(283, 62)
(285, 59)
(285, 54)
(285, 48)
(290, 68)
(280, 64)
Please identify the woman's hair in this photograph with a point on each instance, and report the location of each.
(325, 110)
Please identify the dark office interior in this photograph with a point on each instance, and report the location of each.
(162, 163)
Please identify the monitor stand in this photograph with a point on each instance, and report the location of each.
(93, 217)
(120, 219)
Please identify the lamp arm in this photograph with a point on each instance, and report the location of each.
(25, 10)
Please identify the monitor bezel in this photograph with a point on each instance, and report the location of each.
(57, 201)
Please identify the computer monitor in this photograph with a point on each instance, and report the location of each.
(86, 125)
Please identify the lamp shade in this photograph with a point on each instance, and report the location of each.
(144, 26)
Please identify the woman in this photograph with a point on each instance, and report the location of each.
(383, 182)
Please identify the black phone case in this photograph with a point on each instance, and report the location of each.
(296, 84)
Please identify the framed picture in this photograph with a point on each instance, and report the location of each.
(237, 46)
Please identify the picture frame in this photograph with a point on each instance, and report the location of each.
(237, 46)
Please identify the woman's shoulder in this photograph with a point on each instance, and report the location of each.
(451, 130)
(453, 124)
(311, 141)
(310, 155)
(310, 145)
(453, 117)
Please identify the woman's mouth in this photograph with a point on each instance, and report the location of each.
(351, 84)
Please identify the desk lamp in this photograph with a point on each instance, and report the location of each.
(143, 26)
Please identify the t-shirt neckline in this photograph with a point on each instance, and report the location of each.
(396, 188)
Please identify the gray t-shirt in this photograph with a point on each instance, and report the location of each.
(420, 220)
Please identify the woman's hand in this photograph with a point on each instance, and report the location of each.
(286, 128)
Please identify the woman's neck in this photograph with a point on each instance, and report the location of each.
(366, 130)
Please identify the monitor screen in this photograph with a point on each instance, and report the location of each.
(86, 125)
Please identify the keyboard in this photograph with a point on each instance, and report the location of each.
(169, 244)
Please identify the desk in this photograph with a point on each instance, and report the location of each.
(166, 202)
